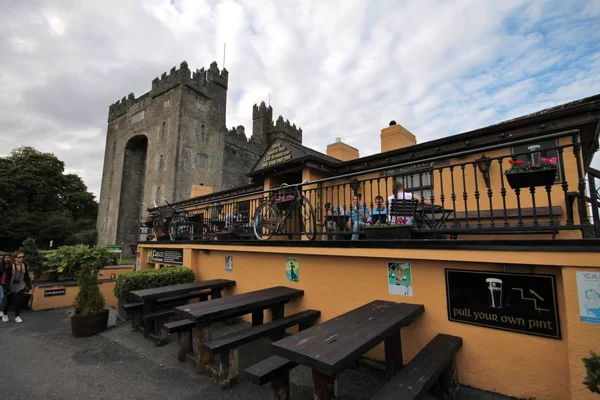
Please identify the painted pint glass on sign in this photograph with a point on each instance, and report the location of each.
(494, 286)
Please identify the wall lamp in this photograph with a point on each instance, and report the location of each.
(483, 164)
(133, 248)
(355, 186)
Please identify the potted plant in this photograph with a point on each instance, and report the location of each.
(90, 317)
(592, 369)
(524, 174)
(400, 228)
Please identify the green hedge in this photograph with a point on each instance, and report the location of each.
(151, 278)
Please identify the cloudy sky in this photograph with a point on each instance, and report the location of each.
(335, 68)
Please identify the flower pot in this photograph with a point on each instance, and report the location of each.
(519, 178)
(284, 205)
(227, 235)
(388, 232)
(89, 325)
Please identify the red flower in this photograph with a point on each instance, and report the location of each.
(515, 161)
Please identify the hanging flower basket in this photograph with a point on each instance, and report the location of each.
(526, 175)
(388, 232)
(284, 202)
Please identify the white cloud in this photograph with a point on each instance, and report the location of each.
(335, 68)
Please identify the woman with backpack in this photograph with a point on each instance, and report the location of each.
(16, 283)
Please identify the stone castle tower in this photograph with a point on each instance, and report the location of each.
(160, 144)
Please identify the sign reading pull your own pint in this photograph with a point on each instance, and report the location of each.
(512, 302)
(167, 256)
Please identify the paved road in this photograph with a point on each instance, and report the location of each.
(40, 360)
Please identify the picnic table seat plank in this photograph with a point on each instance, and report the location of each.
(237, 339)
(416, 378)
(276, 370)
(174, 290)
(334, 345)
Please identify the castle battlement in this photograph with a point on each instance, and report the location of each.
(201, 81)
(262, 111)
(288, 129)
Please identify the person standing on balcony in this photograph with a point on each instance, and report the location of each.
(358, 217)
(233, 219)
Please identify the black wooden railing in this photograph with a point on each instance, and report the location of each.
(455, 198)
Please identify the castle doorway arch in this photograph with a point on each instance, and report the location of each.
(132, 192)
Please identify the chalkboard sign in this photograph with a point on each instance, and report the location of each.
(167, 256)
(512, 302)
(55, 292)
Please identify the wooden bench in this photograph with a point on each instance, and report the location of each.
(434, 367)
(183, 328)
(276, 370)
(227, 371)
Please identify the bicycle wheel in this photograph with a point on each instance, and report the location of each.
(266, 221)
(308, 219)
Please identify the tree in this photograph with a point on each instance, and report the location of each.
(37, 199)
(592, 368)
(33, 258)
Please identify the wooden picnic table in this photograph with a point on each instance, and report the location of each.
(205, 313)
(150, 297)
(334, 345)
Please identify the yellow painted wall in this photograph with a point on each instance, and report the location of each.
(582, 338)
(338, 280)
(40, 302)
(107, 272)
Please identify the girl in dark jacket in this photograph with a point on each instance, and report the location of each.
(5, 262)
(16, 283)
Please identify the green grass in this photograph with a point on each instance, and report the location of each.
(127, 261)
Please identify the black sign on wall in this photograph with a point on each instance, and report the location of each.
(167, 256)
(55, 292)
(512, 302)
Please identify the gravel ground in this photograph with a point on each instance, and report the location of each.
(39, 359)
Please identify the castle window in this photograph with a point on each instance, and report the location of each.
(163, 128)
(160, 162)
(157, 199)
(167, 103)
(201, 161)
(112, 173)
(201, 134)
(108, 205)
(137, 117)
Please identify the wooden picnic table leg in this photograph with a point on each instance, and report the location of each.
(447, 385)
(277, 312)
(393, 355)
(257, 317)
(203, 358)
(149, 306)
(215, 293)
(325, 387)
(184, 344)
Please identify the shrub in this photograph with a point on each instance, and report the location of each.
(66, 262)
(151, 278)
(89, 300)
(33, 257)
(592, 367)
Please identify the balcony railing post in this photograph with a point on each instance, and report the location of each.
(583, 215)
(453, 196)
(477, 195)
(535, 218)
(465, 196)
(442, 197)
(594, 200)
(564, 185)
(518, 193)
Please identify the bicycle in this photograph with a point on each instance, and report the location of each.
(269, 220)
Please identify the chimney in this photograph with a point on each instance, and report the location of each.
(342, 151)
(200, 190)
(396, 137)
